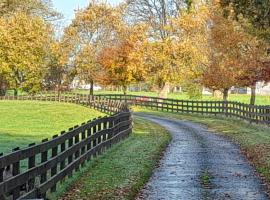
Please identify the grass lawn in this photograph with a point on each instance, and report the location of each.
(124, 169)
(254, 140)
(24, 122)
(244, 98)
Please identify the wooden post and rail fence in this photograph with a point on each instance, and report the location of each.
(252, 113)
(31, 172)
(50, 162)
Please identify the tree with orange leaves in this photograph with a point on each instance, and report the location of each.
(236, 58)
(92, 30)
(256, 66)
(120, 61)
(226, 42)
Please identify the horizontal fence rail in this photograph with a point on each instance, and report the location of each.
(252, 113)
(31, 172)
(100, 103)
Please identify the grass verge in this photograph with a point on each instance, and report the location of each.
(123, 170)
(24, 122)
(254, 140)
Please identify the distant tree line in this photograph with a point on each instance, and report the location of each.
(192, 43)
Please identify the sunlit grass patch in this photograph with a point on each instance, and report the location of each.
(124, 169)
(24, 122)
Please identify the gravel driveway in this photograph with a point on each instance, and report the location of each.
(201, 165)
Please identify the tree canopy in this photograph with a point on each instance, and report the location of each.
(193, 43)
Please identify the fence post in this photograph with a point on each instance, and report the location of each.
(110, 134)
(43, 178)
(49, 150)
(83, 136)
(99, 129)
(31, 164)
(54, 169)
(105, 127)
(63, 148)
(94, 140)
(267, 110)
(77, 153)
(89, 133)
(225, 108)
(70, 158)
(16, 171)
(1, 178)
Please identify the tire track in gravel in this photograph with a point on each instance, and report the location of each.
(200, 165)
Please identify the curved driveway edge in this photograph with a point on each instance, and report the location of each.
(200, 165)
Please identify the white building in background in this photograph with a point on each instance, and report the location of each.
(261, 88)
(77, 84)
(207, 91)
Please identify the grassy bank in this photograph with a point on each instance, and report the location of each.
(254, 140)
(24, 122)
(124, 169)
(244, 98)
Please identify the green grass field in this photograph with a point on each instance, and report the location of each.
(244, 98)
(254, 140)
(118, 174)
(24, 122)
(123, 170)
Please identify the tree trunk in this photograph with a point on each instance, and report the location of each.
(214, 93)
(59, 85)
(2, 87)
(91, 89)
(140, 87)
(58, 89)
(253, 94)
(225, 94)
(58, 92)
(163, 93)
(2, 92)
(125, 90)
(15, 92)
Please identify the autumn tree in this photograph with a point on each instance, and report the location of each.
(25, 39)
(227, 41)
(3, 83)
(173, 47)
(59, 72)
(236, 57)
(38, 8)
(255, 19)
(114, 60)
(181, 54)
(257, 12)
(94, 31)
(121, 61)
(23, 48)
(255, 66)
(190, 30)
(158, 15)
(87, 67)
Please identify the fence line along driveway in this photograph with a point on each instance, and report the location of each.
(199, 165)
(51, 161)
(253, 114)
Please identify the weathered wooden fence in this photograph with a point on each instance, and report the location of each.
(254, 114)
(100, 103)
(47, 164)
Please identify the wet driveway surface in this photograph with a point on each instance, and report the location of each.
(200, 165)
